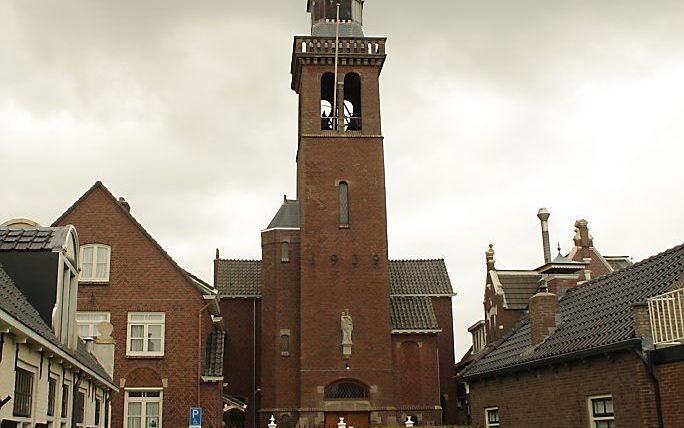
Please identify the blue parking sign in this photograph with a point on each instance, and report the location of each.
(195, 417)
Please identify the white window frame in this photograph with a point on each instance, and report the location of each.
(486, 415)
(92, 325)
(145, 324)
(143, 400)
(93, 264)
(593, 420)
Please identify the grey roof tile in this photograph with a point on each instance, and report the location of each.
(287, 215)
(407, 277)
(15, 303)
(419, 277)
(412, 313)
(32, 239)
(213, 363)
(239, 278)
(517, 286)
(595, 315)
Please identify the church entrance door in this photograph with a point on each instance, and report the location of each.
(352, 419)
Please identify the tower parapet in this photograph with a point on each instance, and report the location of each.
(324, 13)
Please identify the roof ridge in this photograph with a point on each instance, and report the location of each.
(240, 260)
(626, 269)
(417, 260)
(99, 185)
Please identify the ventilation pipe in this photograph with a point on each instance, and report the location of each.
(543, 215)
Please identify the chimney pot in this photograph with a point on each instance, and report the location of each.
(125, 204)
(543, 215)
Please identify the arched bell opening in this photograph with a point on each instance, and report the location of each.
(328, 121)
(352, 102)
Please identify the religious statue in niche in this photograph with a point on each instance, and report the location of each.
(347, 324)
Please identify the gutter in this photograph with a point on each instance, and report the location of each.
(37, 338)
(624, 345)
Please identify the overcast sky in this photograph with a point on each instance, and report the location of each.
(491, 109)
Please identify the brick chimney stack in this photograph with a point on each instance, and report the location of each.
(582, 236)
(489, 254)
(543, 215)
(544, 312)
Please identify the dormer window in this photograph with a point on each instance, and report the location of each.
(95, 263)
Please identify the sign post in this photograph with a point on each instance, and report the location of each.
(195, 417)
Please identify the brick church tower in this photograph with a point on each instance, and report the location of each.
(337, 330)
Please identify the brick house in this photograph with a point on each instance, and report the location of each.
(48, 376)
(507, 291)
(166, 321)
(325, 325)
(608, 353)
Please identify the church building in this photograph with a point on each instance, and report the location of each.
(325, 325)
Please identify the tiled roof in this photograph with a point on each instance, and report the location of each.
(16, 305)
(242, 278)
(419, 277)
(238, 278)
(287, 215)
(517, 286)
(33, 239)
(596, 316)
(412, 313)
(213, 363)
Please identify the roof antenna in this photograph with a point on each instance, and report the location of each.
(337, 46)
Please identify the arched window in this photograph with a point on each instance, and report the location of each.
(344, 203)
(352, 102)
(284, 252)
(327, 95)
(346, 390)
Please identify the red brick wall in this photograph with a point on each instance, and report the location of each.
(416, 371)
(671, 378)
(445, 343)
(279, 381)
(142, 279)
(557, 396)
(238, 364)
(338, 270)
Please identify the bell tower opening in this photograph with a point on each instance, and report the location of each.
(327, 94)
(352, 102)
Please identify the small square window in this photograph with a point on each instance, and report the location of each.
(146, 334)
(87, 322)
(601, 412)
(492, 417)
(95, 263)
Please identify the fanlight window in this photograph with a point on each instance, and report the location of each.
(346, 390)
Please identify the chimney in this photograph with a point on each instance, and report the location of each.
(103, 347)
(543, 215)
(544, 311)
(489, 254)
(582, 236)
(125, 204)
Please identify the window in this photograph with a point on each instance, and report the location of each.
(601, 412)
(284, 252)
(52, 395)
(65, 401)
(87, 322)
(79, 407)
(344, 203)
(95, 262)
(285, 343)
(328, 115)
(145, 334)
(352, 102)
(346, 389)
(492, 417)
(143, 409)
(23, 392)
(98, 407)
